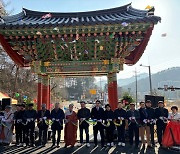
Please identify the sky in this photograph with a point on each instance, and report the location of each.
(161, 52)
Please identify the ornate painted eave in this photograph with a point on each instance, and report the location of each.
(119, 34)
(35, 19)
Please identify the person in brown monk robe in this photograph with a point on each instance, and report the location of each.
(70, 131)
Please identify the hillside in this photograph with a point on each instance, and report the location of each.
(170, 77)
(123, 82)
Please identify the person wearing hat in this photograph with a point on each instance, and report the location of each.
(30, 115)
(57, 117)
(83, 114)
(109, 118)
(6, 130)
(151, 117)
(71, 125)
(161, 114)
(133, 117)
(144, 129)
(120, 117)
(97, 114)
(43, 115)
(18, 125)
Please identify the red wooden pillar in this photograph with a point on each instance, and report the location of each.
(112, 90)
(39, 96)
(46, 91)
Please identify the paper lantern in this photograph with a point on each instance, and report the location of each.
(101, 48)
(17, 95)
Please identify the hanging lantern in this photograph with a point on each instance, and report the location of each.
(77, 36)
(112, 35)
(120, 33)
(101, 33)
(101, 48)
(25, 97)
(17, 95)
(38, 33)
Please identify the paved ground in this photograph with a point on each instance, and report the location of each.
(81, 150)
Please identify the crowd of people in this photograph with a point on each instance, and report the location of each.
(139, 123)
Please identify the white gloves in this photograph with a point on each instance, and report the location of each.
(100, 120)
(3, 120)
(44, 118)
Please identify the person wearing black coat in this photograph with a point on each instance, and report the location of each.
(133, 117)
(30, 115)
(161, 114)
(23, 106)
(144, 128)
(120, 117)
(84, 114)
(42, 116)
(151, 117)
(57, 117)
(109, 117)
(97, 113)
(18, 125)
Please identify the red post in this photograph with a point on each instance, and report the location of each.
(112, 90)
(39, 96)
(46, 91)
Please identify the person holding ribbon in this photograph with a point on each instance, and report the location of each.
(43, 116)
(120, 122)
(6, 131)
(23, 109)
(71, 124)
(83, 115)
(161, 114)
(57, 117)
(30, 116)
(144, 128)
(97, 114)
(133, 119)
(151, 117)
(18, 125)
(109, 125)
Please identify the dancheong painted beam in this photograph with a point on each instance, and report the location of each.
(77, 44)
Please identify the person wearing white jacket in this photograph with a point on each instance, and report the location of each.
(6, 126)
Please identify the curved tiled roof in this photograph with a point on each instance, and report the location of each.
(29, 18)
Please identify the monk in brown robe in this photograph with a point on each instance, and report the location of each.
(70, 131)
